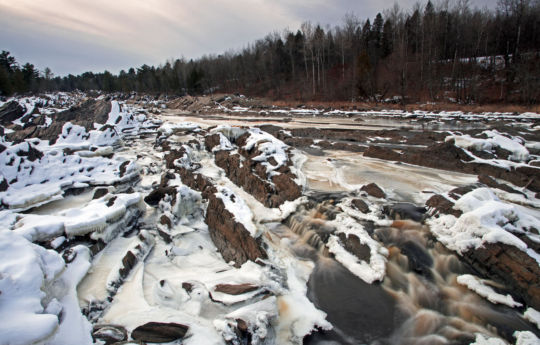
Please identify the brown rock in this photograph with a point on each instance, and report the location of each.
(353, 245)
(100, 192)
(231, 238)
(511, 267)
(237, 289)
(164, 220)
(157, 332)
(373, 190)
(442, 205)
(211, 141)
(360, 205)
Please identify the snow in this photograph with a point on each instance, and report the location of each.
(533, 316)
(481, 340)
(485, 219)
(478, 285)
(526, 338)
(237, 206)
(38, 294)
(371, 271)
(495, 139)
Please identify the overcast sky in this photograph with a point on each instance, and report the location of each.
(74, 36)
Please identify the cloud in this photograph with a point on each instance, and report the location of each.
(71, 36)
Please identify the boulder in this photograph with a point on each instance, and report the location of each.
(373, 190)
(158, 194)
(360, 205)
(442, 205)
(158, 332)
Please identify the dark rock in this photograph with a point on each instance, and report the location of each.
(3, 184)
(238, 289)
(187, 286)
(490, 182)
(509, 266)
(353, 245)
(109, 333)
(111, 201)
(402, 210)
(100, 192)
(231, 238)
(10, 112)
(32, 153)
(123, 168)
(128, 262)
(360, 205)
(158, 194)
(458, 192)
(443, 205)
(373, 190)
(157, 332)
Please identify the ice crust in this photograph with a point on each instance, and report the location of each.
(478, 285)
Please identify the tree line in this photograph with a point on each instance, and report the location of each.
(436, 51)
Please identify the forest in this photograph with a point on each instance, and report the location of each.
(436, 51)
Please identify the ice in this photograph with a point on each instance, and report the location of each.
(485, 340)
(485, 219)
(478, 285)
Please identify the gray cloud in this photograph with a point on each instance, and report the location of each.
(73, 36)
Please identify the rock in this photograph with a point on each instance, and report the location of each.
(509, 266)
(187, 286)
(128, 262)
(32, 154)
(490, 182)
(157, 332)
(164, 220)
(231, 238)
(10, 112)
(158, 194)
(373, 190)
(109, 333)
(403, 210)
(100, 192)
(353, 245)
(360, 205)
(238, 289)
(211, 141)
(443, 205)
(447, 156)
(3, 184)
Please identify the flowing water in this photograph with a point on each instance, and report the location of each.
(419, 301)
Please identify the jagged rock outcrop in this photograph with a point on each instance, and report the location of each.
(509, 265)
(442, 205)
(233, 241)
(10, 112)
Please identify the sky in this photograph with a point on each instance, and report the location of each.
(75, 36)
